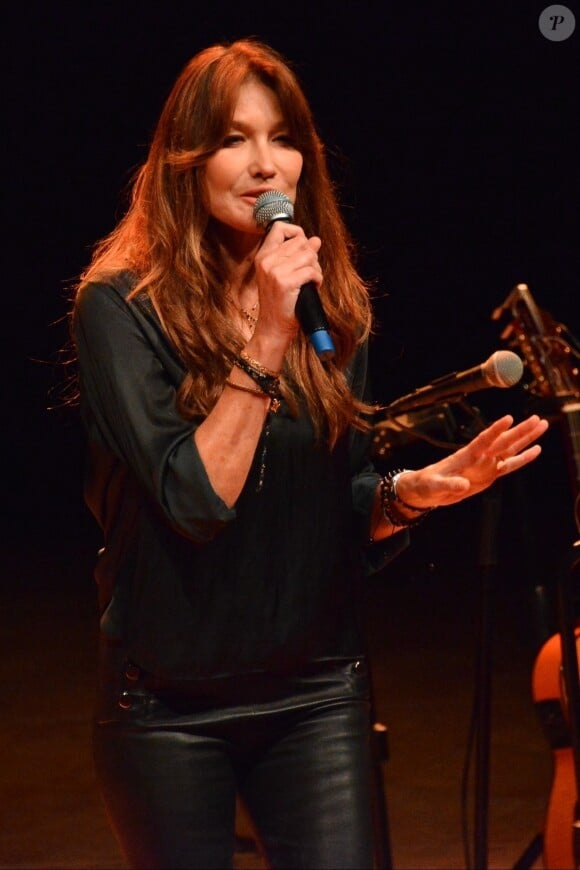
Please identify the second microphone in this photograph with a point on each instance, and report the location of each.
(271, 206)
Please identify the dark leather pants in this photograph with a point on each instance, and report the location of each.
(296, 750)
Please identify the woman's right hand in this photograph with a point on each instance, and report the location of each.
(286, 260)
(227, 438)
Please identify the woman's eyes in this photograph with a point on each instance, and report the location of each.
(234, 139)
(285, 139)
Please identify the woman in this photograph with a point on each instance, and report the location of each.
(228, 473)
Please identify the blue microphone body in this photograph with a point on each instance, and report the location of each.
(273, 206)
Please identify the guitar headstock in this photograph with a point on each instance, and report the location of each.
(550, 351)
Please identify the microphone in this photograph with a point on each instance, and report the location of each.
(503, 369)
(271, 206)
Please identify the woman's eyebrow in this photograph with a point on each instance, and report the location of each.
(239, 124)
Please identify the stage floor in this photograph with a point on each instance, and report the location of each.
(424, 646)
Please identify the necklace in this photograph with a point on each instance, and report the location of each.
(248, 314)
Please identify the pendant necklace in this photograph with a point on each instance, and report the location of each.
(249, 315)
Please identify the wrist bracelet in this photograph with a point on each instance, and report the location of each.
(255, 391)
(395, 475)
(391, 512)
(268, 383)
(258, 365)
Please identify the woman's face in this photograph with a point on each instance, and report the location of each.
(256, 155)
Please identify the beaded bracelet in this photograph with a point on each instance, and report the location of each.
(395, 475)
(268, 383)
(258, 365)
(389, 499)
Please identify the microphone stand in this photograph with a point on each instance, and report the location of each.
(481, 717)
(488, 561)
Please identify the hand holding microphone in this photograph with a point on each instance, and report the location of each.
(273, 206)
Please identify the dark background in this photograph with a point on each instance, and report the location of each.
(452, 132)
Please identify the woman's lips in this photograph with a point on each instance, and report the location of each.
(252, 195)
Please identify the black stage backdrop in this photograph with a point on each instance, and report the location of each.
(452, 132)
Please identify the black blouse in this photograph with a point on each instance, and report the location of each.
(191, 587)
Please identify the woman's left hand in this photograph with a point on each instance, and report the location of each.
(497, 451)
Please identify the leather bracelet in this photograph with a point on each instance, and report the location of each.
(395, 475)
(389, 500)
(274, 401)
(254, 391)
(269, 384)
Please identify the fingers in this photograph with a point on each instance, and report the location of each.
(507, 466)
(483, 442)
(512, 441)
(502, 439)
(288, 238)
(315, 243)
(288, 259)
(499, 450)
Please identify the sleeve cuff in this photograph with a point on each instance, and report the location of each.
(379, 553)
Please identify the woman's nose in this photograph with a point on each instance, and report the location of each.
(262, 161)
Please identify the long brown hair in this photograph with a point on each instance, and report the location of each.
(169, 241)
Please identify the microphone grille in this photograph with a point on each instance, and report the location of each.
(504, 368)
(272, 205)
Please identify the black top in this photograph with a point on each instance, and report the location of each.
(191, 587)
